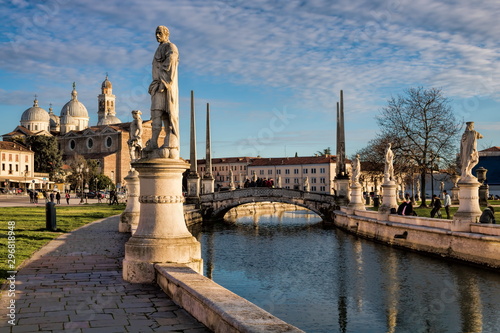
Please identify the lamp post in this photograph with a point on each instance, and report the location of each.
(25, 185)
(86, 187)
(79, 170)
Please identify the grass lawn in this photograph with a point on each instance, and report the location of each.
(29, 229)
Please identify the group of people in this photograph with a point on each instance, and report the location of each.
(406, 208)
(54, 196)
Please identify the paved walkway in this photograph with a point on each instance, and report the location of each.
(74, 284)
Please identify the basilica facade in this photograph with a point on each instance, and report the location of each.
(106, 142)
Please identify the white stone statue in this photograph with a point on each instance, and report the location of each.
(356, 170)
(469, 156)
(164, 93)
(135, 140)
(306, 184)
(278, 182)
(389, 168)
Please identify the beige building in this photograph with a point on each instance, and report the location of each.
(17, 164)
(315, 173)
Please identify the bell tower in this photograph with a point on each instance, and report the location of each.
(106, 101)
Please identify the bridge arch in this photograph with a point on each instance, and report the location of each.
(216, 205)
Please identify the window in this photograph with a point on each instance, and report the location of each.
(313, 170)
(321, 170)
(109, 142)
(17, 167)
(261, 172)
(304, 171)
(295, 180)
(278, 172)
(287, 171)
(3, 166)
(322, 188)
(26, 159)
(313, 180)
(287, 180)
(313, 188)
(322, 180)
(72, 144)
(17, 158)
(269, 172)
(295, 171)
(10, 157)
(3, 156)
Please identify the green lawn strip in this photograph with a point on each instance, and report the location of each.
(30, 233)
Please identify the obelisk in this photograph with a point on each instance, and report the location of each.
(342, 178)
(193, 179)
(208, 180)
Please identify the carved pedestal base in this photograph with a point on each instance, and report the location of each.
(454, 195)
(468, 209)
(356, 197)
(129, 219)
(342, 190)
(162, 235)
(207, 185)
(388, 197)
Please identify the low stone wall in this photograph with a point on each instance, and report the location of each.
(192, 215)
(216, 307)
(427, 235)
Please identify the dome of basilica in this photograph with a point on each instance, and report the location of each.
(35, 113)
(74, 107)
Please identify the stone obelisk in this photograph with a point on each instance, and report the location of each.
(208, 181)
(341, 178)
(162, 235)
(193, 179)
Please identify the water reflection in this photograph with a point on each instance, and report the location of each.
(324, 280)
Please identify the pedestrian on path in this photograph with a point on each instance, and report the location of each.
(67, 198)
(447, 203)
(437, 206)
(58, 197)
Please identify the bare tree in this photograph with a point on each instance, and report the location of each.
(423, 130)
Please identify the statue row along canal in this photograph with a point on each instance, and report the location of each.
(322, 279)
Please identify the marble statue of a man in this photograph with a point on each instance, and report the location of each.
(135, 140)
(356, 169)
(164, 93)
(469, 156)
(389, 167)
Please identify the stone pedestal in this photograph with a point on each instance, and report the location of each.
(484, 192)
(129, 219)
(342, 190)
(468, 209)
(193, 187)
(388, 197)
(454, 195)
(356, 201)
(162, 235)
(208, 184)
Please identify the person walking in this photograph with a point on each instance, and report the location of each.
(437, 206)
(58, 198)
(67, 198)
(447, 203)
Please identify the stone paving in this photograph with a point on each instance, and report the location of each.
(74, 284)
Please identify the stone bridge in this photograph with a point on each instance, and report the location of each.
(216, 205)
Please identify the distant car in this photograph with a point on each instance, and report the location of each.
(91, 195)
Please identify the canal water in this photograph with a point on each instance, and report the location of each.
(322, 279)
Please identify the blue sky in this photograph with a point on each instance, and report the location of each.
(271, 70)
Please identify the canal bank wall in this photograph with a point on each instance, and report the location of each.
(480, 244)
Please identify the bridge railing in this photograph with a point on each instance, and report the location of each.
(266, 192)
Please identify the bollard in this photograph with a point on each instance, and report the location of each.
(50, 216)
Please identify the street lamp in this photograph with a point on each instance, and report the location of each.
(79, 170)
(86, 186)
(25, 185)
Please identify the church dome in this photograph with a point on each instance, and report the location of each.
(74, 108)
(110, 120)
(106, 84)
(54, 119)
(35, 113)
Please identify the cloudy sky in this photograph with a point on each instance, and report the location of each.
(271, 70)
